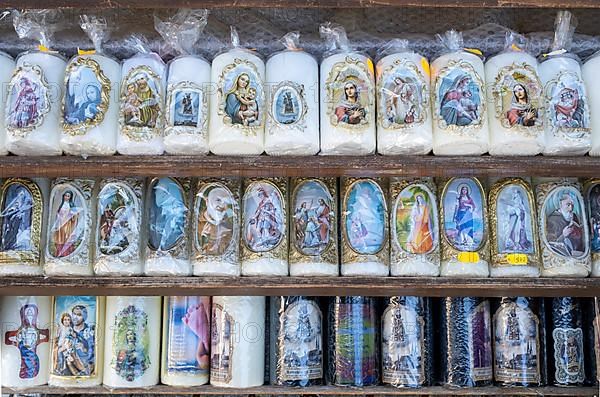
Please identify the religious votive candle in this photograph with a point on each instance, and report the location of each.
(592, 202)
(566, 353)
(7, 66)
(588, 71)
(132, 341)
(141, 105)
(32, 107)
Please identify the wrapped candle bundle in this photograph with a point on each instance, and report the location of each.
(77, 353)
(592, 201)
(298, 334)
(513, 229)
(466, 341)
(167, 248)
(90, 106)
(237, 101)
(118, 225)
(515, 101)
(292, 126)
(403, 110)
(589, 71)
(141, 102)
(23, 212)
(69, 240)
(465, 249)
(264, 247)
(7, 66)
(313, 240)
(347, 87)
(519, 342)
(414, 228)
(565, 343)
(567, 124)
(365, 242)
(32, 106)
(132, 341)
(237, 352)
(186, 341)
(216, 228)
(186, 110)
(564, 234)
(25, 339)
(460, 125)
(354, 345)
(407, 341)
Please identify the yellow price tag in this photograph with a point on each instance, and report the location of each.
(515, 47)
(516, 259)
(468, 257)
(425, 66)
(43, 48)
(474, 51)
(370, 65)
(85, 52)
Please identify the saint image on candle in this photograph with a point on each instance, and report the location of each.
(480, 329)
(16, 218)
(216, 220)
(567, 102)
(243, 95)
(301, 334)
(287, 105)
(83, 98)
(459, 99)
(594, 208)
(141, 105)
(117, 217)
(565, 234)
(28, 99)
(403, 98)
(167, 214)
(365, 220)
(27, 338)
(186, 108)
(514, 222)
(521, 112)
(222, 344)
(349, 109)
(312, 218)
(463, 213)
(264, 219)
(131, 343)
(68, 221)
(416, 226)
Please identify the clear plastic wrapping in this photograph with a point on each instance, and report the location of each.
(7, 67)
(566, 342)
(592, 203)
(592, 84)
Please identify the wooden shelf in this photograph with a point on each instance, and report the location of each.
(316, 166)
(310, 286)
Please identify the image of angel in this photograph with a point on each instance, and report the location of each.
(403, 100)
(312, 218)
(365, 220)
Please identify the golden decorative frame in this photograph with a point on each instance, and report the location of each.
(300, 123)
(202, 128)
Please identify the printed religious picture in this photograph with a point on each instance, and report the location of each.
(186, 101)
(312, 217)
(16, 215)
(568, 355)
(131, 341)
(459, 96)
(288, 103)
(567, 103)
(593, 198)
(403, 96)
(117, 223)
(264, 217)
(416, 223)
(349, 94)
(365, 223)
(74, 347)
(242, 95)
(141, 100)
(217, 219)
(464, 224)
(28, 100)
(479, 329)
(167, 214)
(514, 221)
(517, 95)
(221, 344)
(67, 221)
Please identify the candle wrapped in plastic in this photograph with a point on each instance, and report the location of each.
(7, 66)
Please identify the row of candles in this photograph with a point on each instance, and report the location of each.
(74, 341)
(511, 105)
(280, 226)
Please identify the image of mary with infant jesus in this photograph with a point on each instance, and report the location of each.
(241, 103)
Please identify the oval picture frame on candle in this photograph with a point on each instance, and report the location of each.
(193, 100)
(287, 95)
(592, 199)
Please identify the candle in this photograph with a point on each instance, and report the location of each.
(565, 343)
(466, 342)
(25, 340)
(35, 79)
(132, 335)
(407, 341)
(463, 211)
(216, 228)
(565, 245)
(592, 201)
(588, 72)
(7, 66)
(237, 353)
(186, 341)
(403, 110)
(118, 225)
(354, 354)
(77, 354)
(519, 345)
(313, 245)
(167, 248)
(365, 243)
(264, 247)
(141, 105)
(591, 341)
(298, 335)
(414, 228)
(24, 213)
(460, 125)
(513, 230)
(292, 126)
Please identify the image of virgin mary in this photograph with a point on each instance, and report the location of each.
(458, 107)
(521, 112)
(240, 105)
(349, 110)
(463, 217)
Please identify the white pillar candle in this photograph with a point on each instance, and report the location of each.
(186, 341)
(565, 244)
(237, 341)
(167, 226)
(118, 225)
(515, 249)
(403, 110)
(592, 202)
(25, 340)
(293, 115)
(216, 228)
(141, 104)
(186, 109)
(313, 224)
(132, 335)
(567, 123)
(460, 125)
(365, 242)
(237, 103)
(76, 358)
(23, 205)
(32, 109)
(515, 104)
(589, 72)
(463, 211)
(414, 228)
(347, 86)
(7, 66)
(264, 246)
(90, 107)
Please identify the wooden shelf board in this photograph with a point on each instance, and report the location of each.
(315, 286)
(316, 166)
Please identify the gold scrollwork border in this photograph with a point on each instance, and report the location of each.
(171, 129)
(300, 123)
